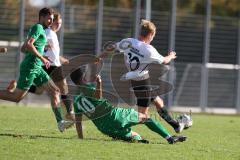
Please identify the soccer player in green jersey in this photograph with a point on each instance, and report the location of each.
(31, 70)
(112, 121)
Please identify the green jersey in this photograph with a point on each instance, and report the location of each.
(110, 120)
(31, 70)
(36, 32)
(94, 109)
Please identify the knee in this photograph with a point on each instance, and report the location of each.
(143, 110)
(56, 98)
(64, 89)
(142, 117)
(62, 85)
(158, 102)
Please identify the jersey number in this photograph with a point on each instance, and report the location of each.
(85, 105)
(133, 60)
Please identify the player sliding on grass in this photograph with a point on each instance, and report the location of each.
(138, 54)
(31, 70)
(112, 121)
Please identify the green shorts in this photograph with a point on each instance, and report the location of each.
(117, 124)
(30, 76)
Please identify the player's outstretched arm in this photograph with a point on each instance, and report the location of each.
(169, 57)
(98, 92)
(103, 55)
(63, 60)
(78, 118)
(108, 50)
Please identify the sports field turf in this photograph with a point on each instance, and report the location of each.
(31, 133)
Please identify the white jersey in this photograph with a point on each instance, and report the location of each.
(138, 55)
(53, 52)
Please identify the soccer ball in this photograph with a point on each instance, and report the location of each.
(186, 120)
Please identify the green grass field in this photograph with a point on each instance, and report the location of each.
(31, 133)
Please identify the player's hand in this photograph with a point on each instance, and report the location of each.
(46, 57)
(46, 61)
(97, 60)
(98, 79)
(172, 54)
(66, 61)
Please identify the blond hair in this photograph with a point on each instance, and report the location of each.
(147, 28)
(57, 16)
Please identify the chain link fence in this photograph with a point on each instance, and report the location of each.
(205, 74)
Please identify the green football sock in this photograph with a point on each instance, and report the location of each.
(163, 112)
(58, 113)
(156, 127)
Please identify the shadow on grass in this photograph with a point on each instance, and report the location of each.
(31, 136)
(14, 135)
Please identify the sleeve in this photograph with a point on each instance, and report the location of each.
(154, 56)
(118, 49)
(123, 45)
(48, 33)
(35, 31)
(75, 105)
(49, 36)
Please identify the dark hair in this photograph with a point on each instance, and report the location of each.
(45, 12)
(76, 76)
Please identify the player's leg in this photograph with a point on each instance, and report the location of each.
(66, 99)
(39, 90)
(141, 90)
(45, 83)
(134, 137)
(33, 89)
(16, 96)
(153, 125)
(12, 85)
(163, 112)
(162, 131)
(126, 134)
(134, 118)
(130, 118)
(53, 93)
(142, 103)
(24, 82)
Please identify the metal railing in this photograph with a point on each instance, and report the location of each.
(197, 39)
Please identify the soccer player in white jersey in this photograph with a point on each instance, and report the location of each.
(138, 53)
(53, 54)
